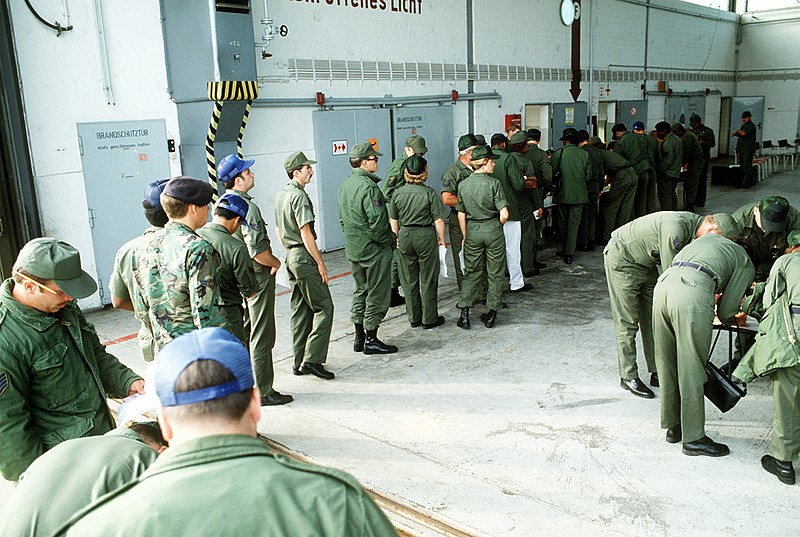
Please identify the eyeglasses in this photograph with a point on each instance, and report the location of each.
(41, 285)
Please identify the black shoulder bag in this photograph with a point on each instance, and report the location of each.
(719, 388)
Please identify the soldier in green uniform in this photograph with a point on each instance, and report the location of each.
(668, 169)
(650, 197)
(746, 149)
(54, 373)
(631, 259)
(395, 178)
(237, 176)
(765, 228)
(237, 278)
(482, 211)
(415, 214)
(707, 140)
(209, 413)
(576, 171)
(692, 163)
(122, 278)
(619, 200)
(451, 178)
(74, 474)
(368, 241)
(544, 181)
(528, 205)
(683, 314)
(634, 149)
(177, 287)
(588, 228)
(776, 354)
(312, 305)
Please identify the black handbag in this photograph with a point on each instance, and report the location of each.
(719, 388)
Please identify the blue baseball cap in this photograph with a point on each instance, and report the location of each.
(152, 193)
(638, 126)
(235, 204)
(231, 166)
(215, 344)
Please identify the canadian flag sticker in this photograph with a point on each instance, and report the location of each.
(339, 147)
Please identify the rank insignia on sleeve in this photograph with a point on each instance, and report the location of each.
(3, 381)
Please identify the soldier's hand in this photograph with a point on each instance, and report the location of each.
(323, 272)
(137, 386)
(275, 268)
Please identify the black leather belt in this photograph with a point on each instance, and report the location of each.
(694, 266)
(795, 309)
(295, 246)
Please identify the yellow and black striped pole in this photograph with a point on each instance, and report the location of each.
(219, 92)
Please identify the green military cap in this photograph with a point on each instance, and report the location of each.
(594, 140)
(416, 164)
(518, 138)
(483, 151)
(52, 259)
(481, 139)
(417, 144)
(774, 211)
(363, 151)
(794, 238)
(677, 127)
(467, 141)
(296, 160)
(728, 226)
(569, 132)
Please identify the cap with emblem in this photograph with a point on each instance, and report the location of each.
(518, 137)
(189, 190)
(483, 151)
(417, 144)
(231, 166)
(152, 193)
(568, 134)
(637, 126)
(235, 204)
(728, 226)
(364, 150)
(52, 259)
(216, 344)
(774, 211)
(297, 160)
(467, 141)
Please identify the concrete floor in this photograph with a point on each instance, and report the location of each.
(522, 429)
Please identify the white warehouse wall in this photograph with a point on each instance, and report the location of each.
(61, 77)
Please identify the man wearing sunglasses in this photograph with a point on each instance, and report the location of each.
(54, 373)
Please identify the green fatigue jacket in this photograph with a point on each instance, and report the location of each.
(122, 285)
(71, 476)
(613, 163)
(363, 216)
(481, 198)
(237, 279)
(654, 239)
(293, 210)
(254, 235)
(653, 150)
(777, 344)
(508, 173)
(417, 205)
(747, 143)
(596, 180)
(765, 247)
(176, 273)
(691, 150)
(541, 167)
(576, 171)
(671, 156)
(54, 378)
(453, 176)
(249, 490)
(634, 149)
(528, 199)
(395, 177)
(706, 138)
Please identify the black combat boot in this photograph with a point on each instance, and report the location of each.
(489, 318)
(397, 299)
(358, 342)
(463, 321)
(376, 346)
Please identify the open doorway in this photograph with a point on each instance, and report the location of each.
(606, 117)
(537, 116)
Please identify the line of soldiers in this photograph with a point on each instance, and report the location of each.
(708, 266)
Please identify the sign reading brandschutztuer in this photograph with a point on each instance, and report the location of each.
(395, 6)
